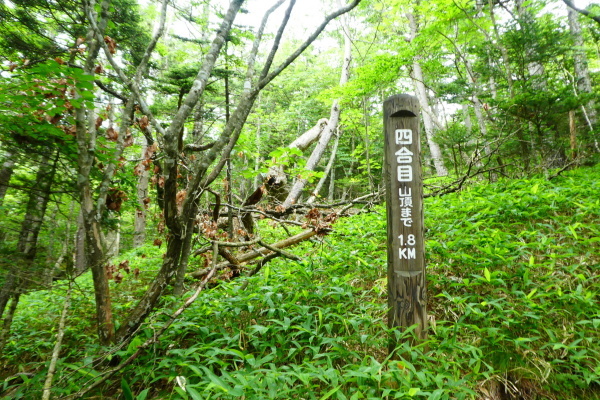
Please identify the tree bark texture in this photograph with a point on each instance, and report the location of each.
(328, 171)
(7, 322)
(36, 207)
(139, 224)
(5, 174)
(39, 197)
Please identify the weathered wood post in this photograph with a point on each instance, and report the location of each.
(407, 290)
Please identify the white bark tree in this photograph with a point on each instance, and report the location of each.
(582, 73)
(430, 120)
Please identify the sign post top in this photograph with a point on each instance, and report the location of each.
(401, 105)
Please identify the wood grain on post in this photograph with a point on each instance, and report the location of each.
(407, 285)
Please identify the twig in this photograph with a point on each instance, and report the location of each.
(563, 169)
(57, 345)
(226, 244)
(282, 253)
(198, 147)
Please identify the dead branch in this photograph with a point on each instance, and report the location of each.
(283, 253)
(563, 169)
(459, 183)
(110, 91)
(263, 251)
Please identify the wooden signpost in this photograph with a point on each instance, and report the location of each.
(407, 290)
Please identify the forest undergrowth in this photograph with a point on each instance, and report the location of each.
(513, 301)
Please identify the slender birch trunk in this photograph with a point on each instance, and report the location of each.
(430, 120)
(57, 346)
(582, 74)
(139, 224)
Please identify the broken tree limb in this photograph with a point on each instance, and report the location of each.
(263, 251)
(331, 127)
(280, 252)
(276, 180)
(310, 136)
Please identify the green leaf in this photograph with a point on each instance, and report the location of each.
(412, 392)
(330, 393)
(181, 392)
(143, 394)
(126, 390)
(487, 274)
(531, 293)
(535, 188)
(194, 393)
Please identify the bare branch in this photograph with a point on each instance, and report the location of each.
(307, 42)
(256, 44)
(280, 252)
(198, 147)
(110, 91)
(582, 11)
(263, 251)
(277, 40)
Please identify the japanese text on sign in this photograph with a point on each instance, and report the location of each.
(404, 159)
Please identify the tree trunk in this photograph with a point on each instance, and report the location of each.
(327, 172)
(5, 174)
(36, 207)
(331, 193)
(139, 234)
(8, 319)
(156, 289)
(113, 241)
(430, 121)
(39, 196)
(572, 134)
(80, 258)
(582, 74)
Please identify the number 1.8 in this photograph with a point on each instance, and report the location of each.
(410, 240)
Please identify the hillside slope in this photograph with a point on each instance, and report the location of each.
(513, 296)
